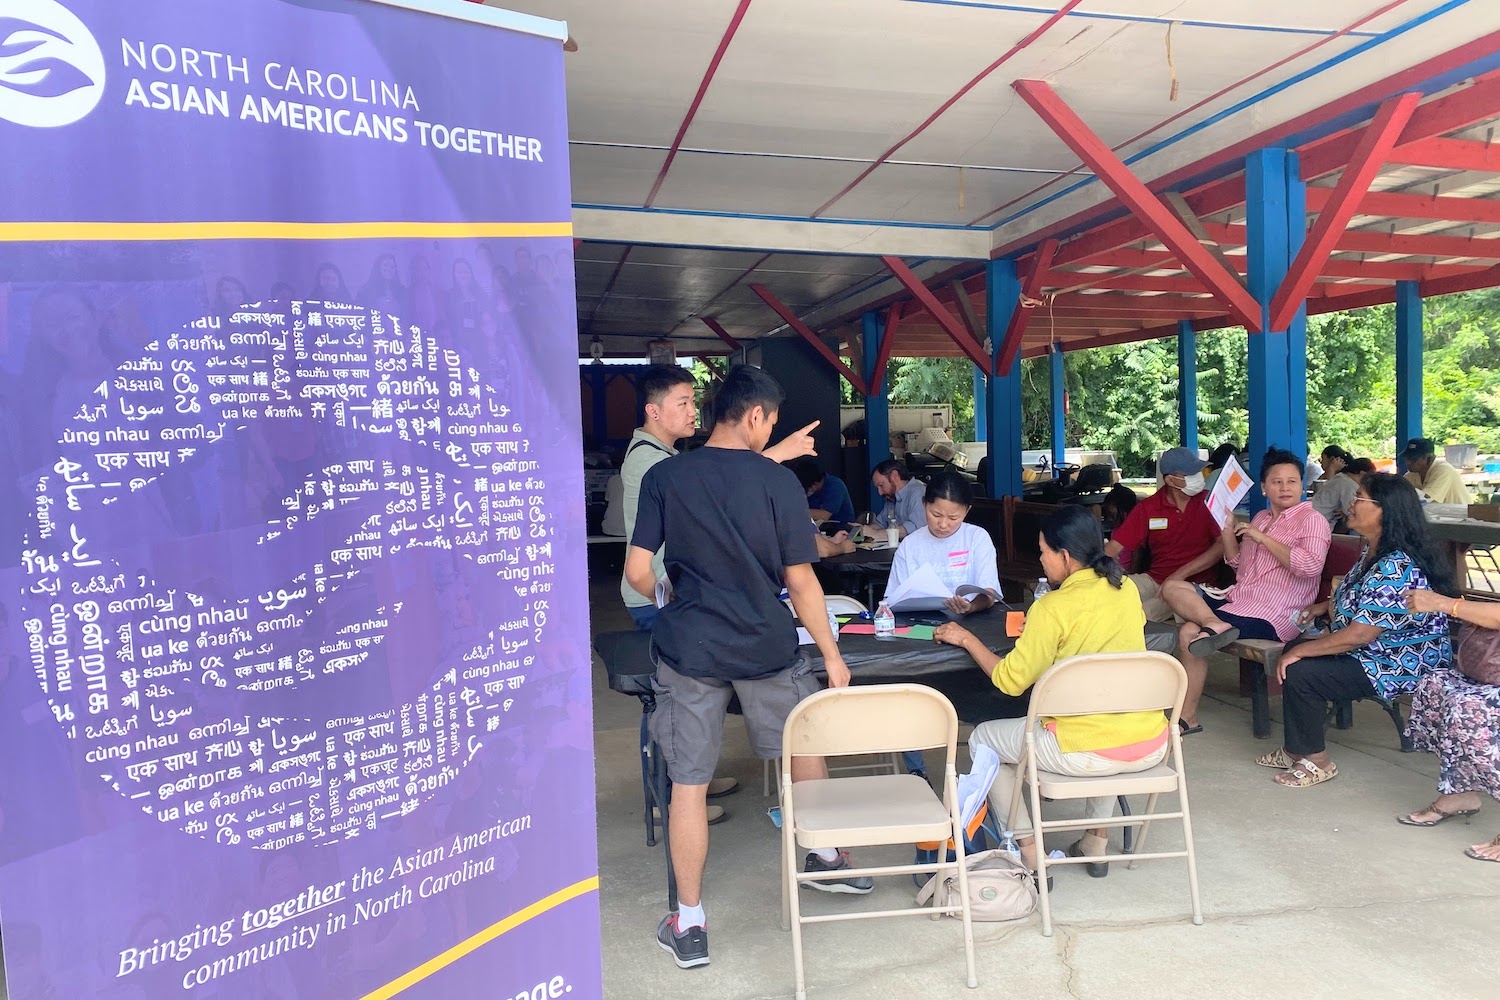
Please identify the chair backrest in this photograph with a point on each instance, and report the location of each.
(871, 718)
(1343, 553)
(841, 605)
(1109, 683)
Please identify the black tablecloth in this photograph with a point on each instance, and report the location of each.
(860, 560)
(627, 655)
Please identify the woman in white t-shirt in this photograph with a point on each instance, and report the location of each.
(959, 553)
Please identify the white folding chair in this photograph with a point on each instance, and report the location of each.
(1105, 684)
(871, 809)
(771, 769)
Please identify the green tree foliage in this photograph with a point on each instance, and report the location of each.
(1124, 398)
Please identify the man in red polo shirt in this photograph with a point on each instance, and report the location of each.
(1174, 525)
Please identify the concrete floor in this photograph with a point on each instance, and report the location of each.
(1306, 892)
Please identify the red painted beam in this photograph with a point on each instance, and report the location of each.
(1374, 143)
(926, 122)
(719, 331)
(708, 76)
(1163, 222)
(1456, 111)
(770, 299)
(1210, 99)
(887, 344)
(1444, 208)
(1448, 154)
(1031, 289)
(950, 324)
(1369, 241)
(1385, 270)
(1446, 114)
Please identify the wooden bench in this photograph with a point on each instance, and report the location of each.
(1259, 657)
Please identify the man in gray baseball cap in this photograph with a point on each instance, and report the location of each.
(1174, 526)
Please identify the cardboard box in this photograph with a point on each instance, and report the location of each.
(1485, 511)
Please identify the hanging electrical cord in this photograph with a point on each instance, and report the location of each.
(1171, 63)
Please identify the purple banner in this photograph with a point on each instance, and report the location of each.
(294, 675)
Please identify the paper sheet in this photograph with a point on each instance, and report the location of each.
(974, 786)
(1231, 488)
(922, 591)
(906, 632)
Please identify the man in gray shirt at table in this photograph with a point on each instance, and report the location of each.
(903, 497)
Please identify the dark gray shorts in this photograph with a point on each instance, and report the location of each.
(688, 723)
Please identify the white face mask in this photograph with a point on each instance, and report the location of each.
(1193, 485)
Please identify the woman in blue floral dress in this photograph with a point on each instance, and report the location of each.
(1375, 648)
(1459, 720)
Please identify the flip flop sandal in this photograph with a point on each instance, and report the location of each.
(1278, 758)
(1471, 853)
(1407, 820)
(1211, 642)
(1183, 729)
(1306, 774)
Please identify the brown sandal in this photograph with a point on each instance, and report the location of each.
(1409, 820)
(1278, 758)
(1472, 853)
(1306, 774)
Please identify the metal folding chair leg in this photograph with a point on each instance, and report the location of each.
(660, 800)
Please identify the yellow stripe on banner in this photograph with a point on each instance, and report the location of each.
(27, 232)
(484, 937)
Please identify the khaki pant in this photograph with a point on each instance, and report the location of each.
(1007, 737)
(1156, 608)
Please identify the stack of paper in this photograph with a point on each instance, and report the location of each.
(924, 591)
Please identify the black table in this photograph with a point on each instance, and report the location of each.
(627, 655)
(627, 661)
(864, 569)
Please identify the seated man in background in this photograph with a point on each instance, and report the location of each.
(1431, 475)
(827, 497)
(1174, 526)
(903, 497)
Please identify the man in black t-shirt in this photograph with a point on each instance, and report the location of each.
(735, 528)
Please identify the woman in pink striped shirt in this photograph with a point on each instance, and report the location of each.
(1278, 562)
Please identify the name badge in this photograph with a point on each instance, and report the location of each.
(1158, 524)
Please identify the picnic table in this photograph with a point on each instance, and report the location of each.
(1461, 534)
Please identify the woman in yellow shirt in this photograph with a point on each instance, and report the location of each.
(1095, 609)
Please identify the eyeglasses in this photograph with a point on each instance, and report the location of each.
(1366, 500)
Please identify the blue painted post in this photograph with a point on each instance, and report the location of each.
(877, 405)
(1408, 365)
(981, 406)
(1276, 214)
(1003, 297)
(1187, 384)
(1059, 394)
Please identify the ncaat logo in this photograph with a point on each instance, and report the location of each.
(51, 69)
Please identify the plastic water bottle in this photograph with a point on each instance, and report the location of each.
(1008, 844)
(1310, 627)
(1042, 587)
(833, 625)
(885, 622)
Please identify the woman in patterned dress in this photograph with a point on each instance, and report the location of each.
(1459, 720)
(1375, 647)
